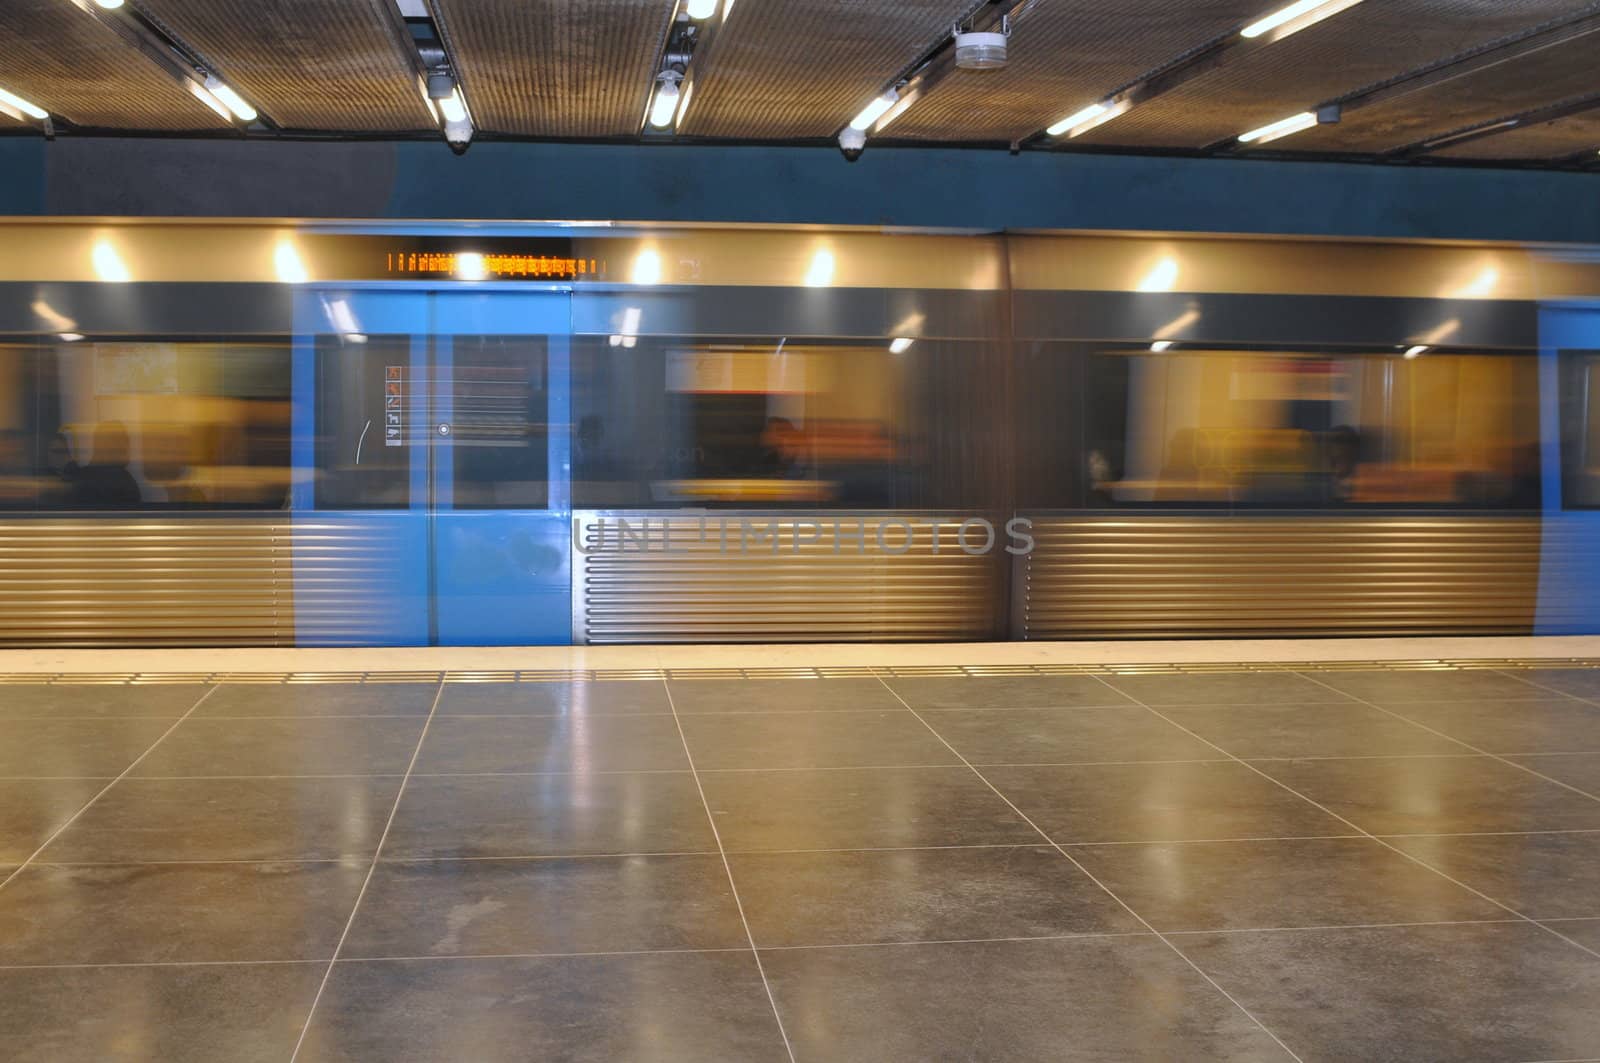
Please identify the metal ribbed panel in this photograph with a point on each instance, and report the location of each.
(1065, 57)
(1370, 43)
(66, 62)
(568, 68)
(694, 590)
(146, 582)
(310, 64)
(1163, 577)
(1547, 140)
(803, 68)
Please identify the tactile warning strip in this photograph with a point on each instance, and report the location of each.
(902, 671)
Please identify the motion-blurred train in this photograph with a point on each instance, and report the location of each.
(255, 434)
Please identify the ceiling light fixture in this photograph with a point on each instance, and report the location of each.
(664, 109)
(874, 110)
(20, 104)
(1278, 130)
(109, 5)
(452, 107)
(700, 10)
(230, 99)
(1295, 17)
(1093, 115)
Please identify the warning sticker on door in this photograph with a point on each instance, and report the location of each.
(394, 398)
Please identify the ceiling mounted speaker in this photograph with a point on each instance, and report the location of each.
(980, 51)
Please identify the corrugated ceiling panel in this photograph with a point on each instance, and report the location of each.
(1524, 84)
(1370, 43)
(310, 64)
(804, 68)
(1065, 57)
(1547, 140)
(63, 60)
(557, 68)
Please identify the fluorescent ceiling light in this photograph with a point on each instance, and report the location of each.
(1279, 130)
(230, 99)
(901, 345)
(453, 107)
(207, 97)
(700, 9)
(1296, 17)
(23, 105)
(683, 104)
(874, 110)
(109, 5)
(1420, 348)
(108, 265)
(665, 106)
(1091, 117)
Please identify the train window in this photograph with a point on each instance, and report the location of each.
(366, 422)
(683, 423)
(126, 424)
(499, 438)
(1289, 429)
(1580, 429)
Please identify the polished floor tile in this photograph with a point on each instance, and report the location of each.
(666, 1007)
(549, 815)
(465, 745)
(859, 809)
(1347, 729)
(184, 913)
(1542, 725)
(1436, 795)
(1585, 932)
(555, 699)
(1400, 685)
(1244, 885)
(1224, 688)
(1470, 992)
(781, 695)
(168, 700)
(176, 1014)
(584, 904)
(1159, 802)
(1544, 876)
(71, 748)
(306, 699)
(1579, 682)
(153, 820)
(285, 746)
(1065, 736)
(1080, 999)
(813, 740)
(921, 895)
(1581, 770)
(33, 809)
(1006, 692)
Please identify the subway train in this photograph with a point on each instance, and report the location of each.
(218, 433)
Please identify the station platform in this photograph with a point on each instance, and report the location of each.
(1296, 850)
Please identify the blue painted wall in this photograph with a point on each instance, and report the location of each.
(980, 189)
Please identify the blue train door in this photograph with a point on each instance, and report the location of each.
(434, 502)
(1569, 383)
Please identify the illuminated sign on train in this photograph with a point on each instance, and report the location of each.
(472, 265)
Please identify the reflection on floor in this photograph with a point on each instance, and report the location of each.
(1323, 865)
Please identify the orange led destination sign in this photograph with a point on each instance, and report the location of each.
(475, 265)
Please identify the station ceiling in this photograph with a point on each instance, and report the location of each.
(1407, 80)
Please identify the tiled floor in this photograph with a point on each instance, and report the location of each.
(1329, 865)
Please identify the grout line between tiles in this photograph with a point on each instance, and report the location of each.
(1093, 878)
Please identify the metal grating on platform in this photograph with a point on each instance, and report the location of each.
(610, 675)
(803, 68)
(309, 64)
(557, 68)
(66, 62)
(1368, 44)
